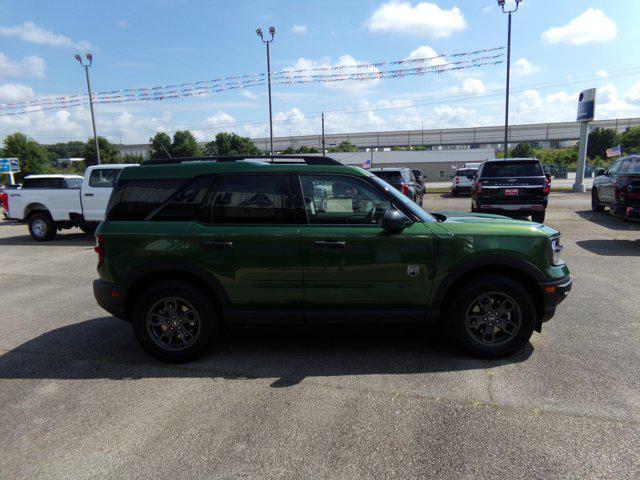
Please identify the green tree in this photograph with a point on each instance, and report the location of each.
(108, 152)
(522, 150)
(185, 145)
(32, 155)
(631, 140)
(160, 145)
(73, 149)
(231, 144)
(131, 158)
(344, 147)
(599, 140)
(301, 150)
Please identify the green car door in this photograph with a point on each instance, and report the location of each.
(353, 268)
(247, 239)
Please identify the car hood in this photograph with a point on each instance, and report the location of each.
(464, 223)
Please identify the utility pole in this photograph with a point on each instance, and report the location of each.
(506, 102)
(324, 152)
(272, 32)
(93, 118)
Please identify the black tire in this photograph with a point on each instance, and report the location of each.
(150, 335)
(454, 192)
(538, 217)
(42, 228)
(463, 304)
(89, 228)
(595, 201)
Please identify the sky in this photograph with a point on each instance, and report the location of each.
(558, 49)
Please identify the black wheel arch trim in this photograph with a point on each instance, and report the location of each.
(522, 265)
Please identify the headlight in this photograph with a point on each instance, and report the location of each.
(556, 250)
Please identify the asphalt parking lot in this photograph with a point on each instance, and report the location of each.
(79, 399)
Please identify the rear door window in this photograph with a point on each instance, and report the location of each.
(512, 169)
(251, 199)
(74, 182)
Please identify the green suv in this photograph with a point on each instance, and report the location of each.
(189, 247)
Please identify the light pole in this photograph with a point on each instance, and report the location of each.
(93, 118)
(506, 103)
(272, 32)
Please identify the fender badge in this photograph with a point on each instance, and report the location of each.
(413, 270)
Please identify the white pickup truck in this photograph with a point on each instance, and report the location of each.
(48, 203)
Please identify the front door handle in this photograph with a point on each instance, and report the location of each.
(88, 194)
(217, 244)
(331, 244)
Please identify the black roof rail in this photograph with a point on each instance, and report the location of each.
(307, 159)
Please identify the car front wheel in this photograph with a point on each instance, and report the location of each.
(492, 316)
(175, 322)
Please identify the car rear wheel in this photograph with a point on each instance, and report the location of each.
(42, 228)
(538, 217)
(595, 201)
(492, 316)
(175, 322)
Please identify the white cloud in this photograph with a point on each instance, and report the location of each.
(589, 27)
(523, 67)
(473, 86)
(426, 51)
(633, 94)
(248, 94)
(123, 23)
(31, 66)
(15, 92)
(30, 32)
(220, 118)
(602, 73)
(299, 29)
(424, 19)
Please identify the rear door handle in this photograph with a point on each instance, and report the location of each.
(333, 245)
(217, 244)
(88, 194)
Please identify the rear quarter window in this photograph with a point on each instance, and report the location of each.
(135, 200)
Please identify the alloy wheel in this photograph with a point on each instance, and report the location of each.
(493, 319)
(173, 324)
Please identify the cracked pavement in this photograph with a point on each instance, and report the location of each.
(79, 399)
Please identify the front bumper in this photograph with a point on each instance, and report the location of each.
(110, 296)
(554, 293)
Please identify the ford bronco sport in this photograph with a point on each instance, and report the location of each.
(188, 247)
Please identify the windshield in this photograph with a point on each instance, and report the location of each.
(466, 172)
(512, 169)
(400, 199)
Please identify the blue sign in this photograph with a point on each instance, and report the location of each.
(586, 105)
(9, 165)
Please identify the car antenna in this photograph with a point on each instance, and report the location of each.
(167, 151)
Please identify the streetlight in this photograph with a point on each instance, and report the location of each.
(272, 32)
(93, 119)
(506, 106)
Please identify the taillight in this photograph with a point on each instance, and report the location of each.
(4, 200)
(457, 179)
(547, 186)
(99, 249)
(405, 188)
(478, 187)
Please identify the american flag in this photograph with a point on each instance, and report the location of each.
(614, 151)
(366, 164)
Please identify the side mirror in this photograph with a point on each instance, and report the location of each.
(600, 171)
(394, 221)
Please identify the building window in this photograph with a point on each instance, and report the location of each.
(441, 173)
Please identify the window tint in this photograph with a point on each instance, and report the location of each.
(186, 203)
(339, 199)
(251, 199)
(634, 166)
(102, 178)
(136, 199)
(466, 172)
(55, 182)
(613, 169)
(392, 176)
(512, 169)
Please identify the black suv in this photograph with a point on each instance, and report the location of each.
(618, 187)
(516, 186)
